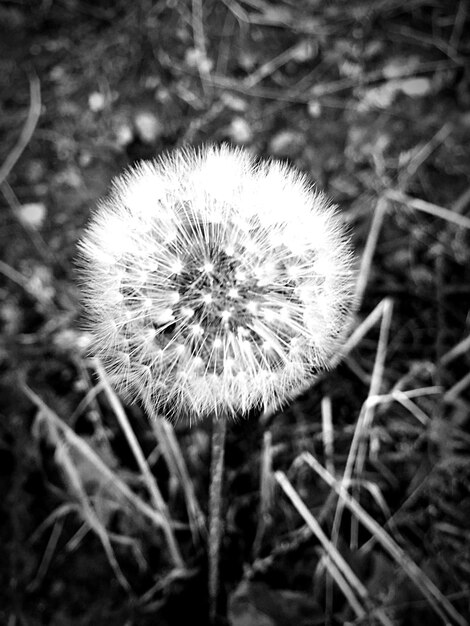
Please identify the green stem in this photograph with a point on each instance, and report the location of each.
(219, 428)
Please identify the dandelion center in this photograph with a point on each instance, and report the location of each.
(219, 305)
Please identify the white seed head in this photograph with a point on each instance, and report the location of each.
(215, 283)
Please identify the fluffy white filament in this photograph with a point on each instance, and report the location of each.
(215, 283)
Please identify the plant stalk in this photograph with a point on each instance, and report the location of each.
(219, 428)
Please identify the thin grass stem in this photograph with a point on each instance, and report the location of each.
(155, 494)
(349, 583)
(219, 429)
(436, 599)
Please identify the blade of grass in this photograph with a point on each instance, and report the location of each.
(362, 329)
(388, 398)
(429, 207)
(162, 583)
(413, 408)
(149, 479)
(86, 509)
(356, 337)
(173, 455)
(355, 586)
(270, 66)
(48, 553)
(87, 400)
(357, 450)
(265, 490)
(27, 131)
(328, 433)
(374, 389)
(77, 538)
(422, 153)
(461, 348)
(60, 511)
(369, 249)
(117, 483)
(342, 583)
(18, 278)
(194, 510)
(454, 392)
(436, 599)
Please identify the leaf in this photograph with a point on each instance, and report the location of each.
(256, 604)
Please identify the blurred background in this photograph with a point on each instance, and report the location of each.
(371, 99)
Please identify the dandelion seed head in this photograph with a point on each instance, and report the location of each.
(215, 283)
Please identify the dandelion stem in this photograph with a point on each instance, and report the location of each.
(219, 428)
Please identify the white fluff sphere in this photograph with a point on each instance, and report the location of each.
(214, 282)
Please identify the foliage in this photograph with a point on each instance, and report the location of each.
(352, 503)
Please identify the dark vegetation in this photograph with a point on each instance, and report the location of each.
(371, 99)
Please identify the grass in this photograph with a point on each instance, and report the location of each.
(349, 506)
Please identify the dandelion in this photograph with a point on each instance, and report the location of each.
(215, 283)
